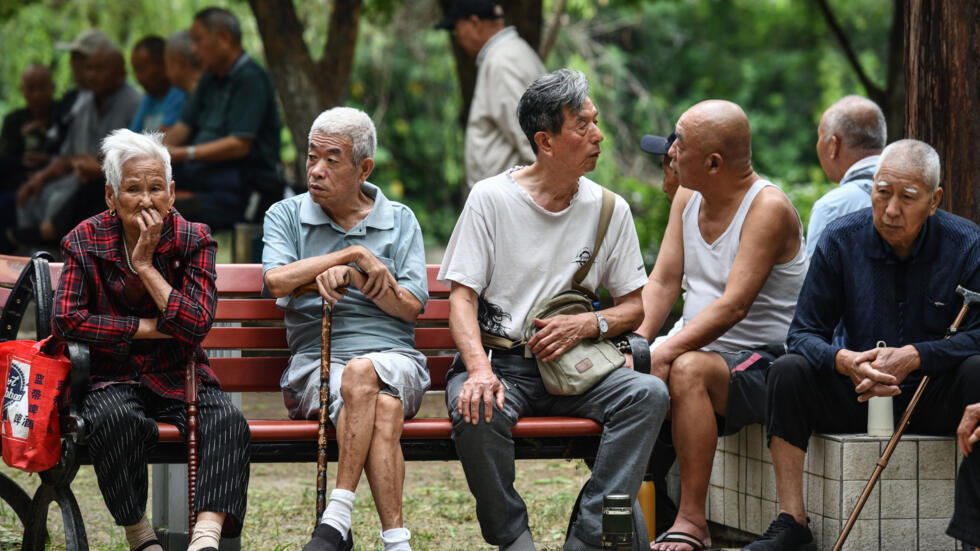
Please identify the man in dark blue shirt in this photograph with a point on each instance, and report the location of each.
(889, 275)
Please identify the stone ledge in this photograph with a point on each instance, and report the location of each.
(909, 508)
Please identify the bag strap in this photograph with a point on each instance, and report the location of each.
(605, 215)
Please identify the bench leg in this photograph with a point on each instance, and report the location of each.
(35, 531)
(16, 497)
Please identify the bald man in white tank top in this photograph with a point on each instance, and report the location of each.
(739, 242)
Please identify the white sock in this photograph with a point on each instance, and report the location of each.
(140, 533)
(207, 533)
(339, 510)
(396, 539)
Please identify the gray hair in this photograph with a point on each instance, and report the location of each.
(350, 122)
(542, 105)
(215, 19)
(180, 43)
(858, 121)
(913, 154)
(124, 145)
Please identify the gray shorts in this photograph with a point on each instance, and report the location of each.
(747, 393)
(402, 371)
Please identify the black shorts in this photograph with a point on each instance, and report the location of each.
(747, 392)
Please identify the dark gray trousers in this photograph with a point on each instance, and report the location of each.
(629, 405)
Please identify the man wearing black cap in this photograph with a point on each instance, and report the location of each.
(506, 65)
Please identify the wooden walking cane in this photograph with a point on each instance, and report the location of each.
(326, 329)
(969, 299)
(190, 387)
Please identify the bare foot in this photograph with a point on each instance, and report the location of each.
(682, 525)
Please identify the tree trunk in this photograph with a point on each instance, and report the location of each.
(306, 87)
(941, 67)
(523, 14)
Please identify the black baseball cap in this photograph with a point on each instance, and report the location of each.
(658, 145)
(463, 9)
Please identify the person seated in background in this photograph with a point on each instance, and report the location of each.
(365, 254)
(79, 49)
(162, 102)
(182, 66)
(522, 236)
(22, 142)
(738, 242)
(851, 135)
(226, 144)
(138, 287)
(46, 202)
(888, 274)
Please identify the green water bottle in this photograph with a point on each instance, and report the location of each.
(617, 523)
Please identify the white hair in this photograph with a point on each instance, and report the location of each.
(350, 122)
(123, 145)
(914, 154)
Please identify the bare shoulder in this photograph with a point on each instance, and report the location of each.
(774, 207)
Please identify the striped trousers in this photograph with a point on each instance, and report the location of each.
(121, 421)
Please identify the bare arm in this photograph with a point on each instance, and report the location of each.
(228, 148)
(395, 301)
(178, 134)
(283, 280)
(664, 286)
(481, 383)
(771, 215)
(558, 334)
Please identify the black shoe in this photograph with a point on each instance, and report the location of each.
(327, 538)
(784, 534)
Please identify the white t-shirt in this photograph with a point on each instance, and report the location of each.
(514, 253)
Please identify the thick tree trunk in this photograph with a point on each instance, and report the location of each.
(523, 14)
(941, 67)
(306, 87)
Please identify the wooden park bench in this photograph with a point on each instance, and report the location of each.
(260, 336)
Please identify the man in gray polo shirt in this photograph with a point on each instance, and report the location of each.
(344, 233)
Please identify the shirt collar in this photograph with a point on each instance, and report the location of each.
(501, 35)
(861, 166)
(878, 248)
(381, 217)
(107, 236)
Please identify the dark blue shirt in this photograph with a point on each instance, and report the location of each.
(855, 278)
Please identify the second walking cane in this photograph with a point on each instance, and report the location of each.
(190, 387)
(970, 299)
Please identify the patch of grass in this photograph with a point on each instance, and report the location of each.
(437, 504)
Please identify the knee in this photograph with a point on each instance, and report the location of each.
(787, 373)
(389, 416)
(687, 371)
(359, 381)
(652, 392)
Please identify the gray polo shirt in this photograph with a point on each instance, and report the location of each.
(298, 228)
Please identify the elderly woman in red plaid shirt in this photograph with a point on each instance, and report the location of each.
(138, 287)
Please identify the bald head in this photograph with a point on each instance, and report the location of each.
(716, 138)
(38, 89)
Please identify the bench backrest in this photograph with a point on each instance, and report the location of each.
(261, 336)
(253, 325)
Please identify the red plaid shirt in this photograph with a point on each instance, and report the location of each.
(91, 303)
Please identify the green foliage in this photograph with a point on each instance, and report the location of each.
(647, 62)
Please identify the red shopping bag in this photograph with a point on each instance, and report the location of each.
(35, 380)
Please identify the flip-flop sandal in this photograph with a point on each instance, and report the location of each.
(681, 537)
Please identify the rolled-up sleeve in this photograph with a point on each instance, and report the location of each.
(191, 305)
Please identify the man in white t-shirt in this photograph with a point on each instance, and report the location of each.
(738, 242)
(519, 240)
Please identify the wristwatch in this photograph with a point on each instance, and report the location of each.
(603, 326)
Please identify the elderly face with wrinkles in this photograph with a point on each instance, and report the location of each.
(901, 201)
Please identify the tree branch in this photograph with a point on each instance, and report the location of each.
(552, 36)
(873, 90)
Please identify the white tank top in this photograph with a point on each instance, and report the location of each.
(706, 267)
